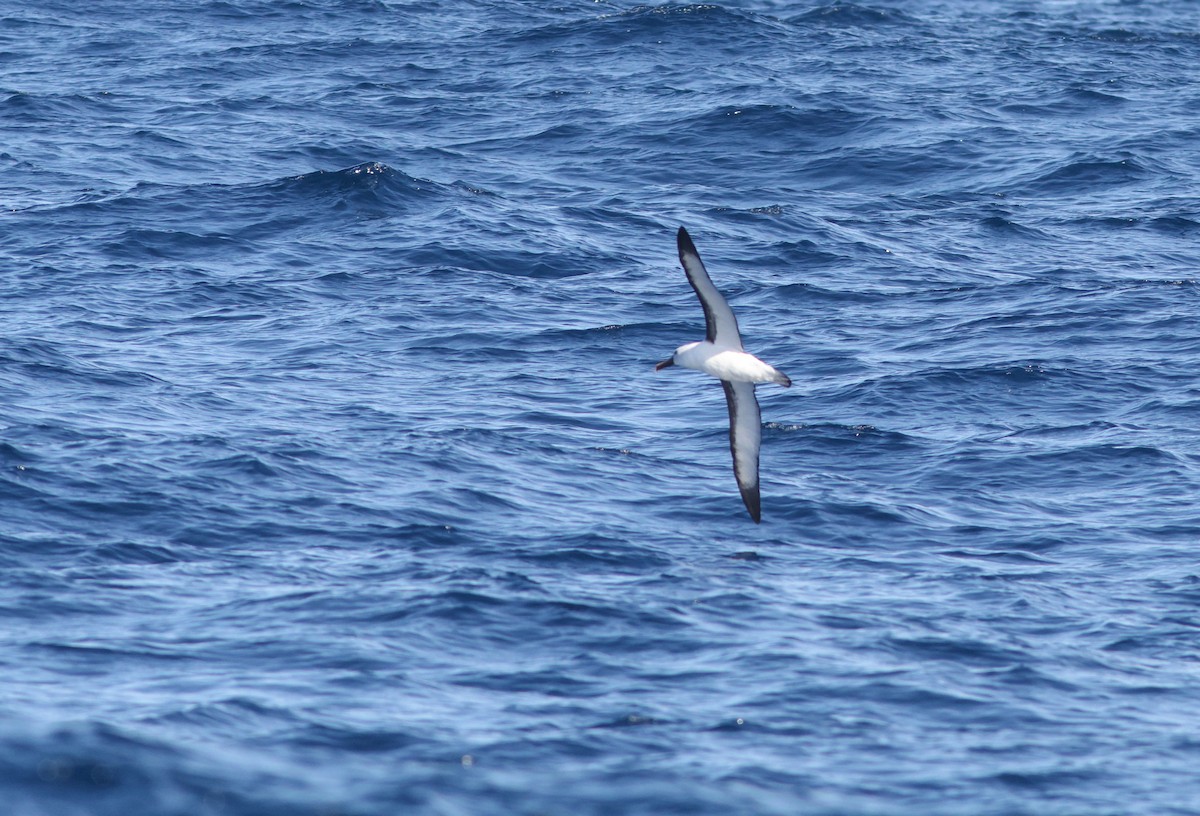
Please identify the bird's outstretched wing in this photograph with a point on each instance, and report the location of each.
(745, 439)
(722, 327)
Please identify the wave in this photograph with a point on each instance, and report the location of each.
(851, 15)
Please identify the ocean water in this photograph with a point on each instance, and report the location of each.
(336, 480)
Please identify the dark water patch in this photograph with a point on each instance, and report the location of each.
(955, 706)
(844, 622)
(806, 293)
(1117, 35)
(94, 659)
(644, 25)
(1077, 101)
(1175, 225)
(631, 721)
(35, 598)
(969, 383)
(549, 683)
(12, 456)
(1082, 174)
(166, 213)
(235, 712)
(1026, 678)
(356, 740)
(369, 190)
(850, 15)
(865, 517)
(958, 651)
(129, 552)
(590, 551)
(1110, 224)
(595, 336)
(142, 244)
(238, 466)
(1017, 558)
(1089, 97)
(480, 257)
(29, 108)
(1115, 454)
(1141, 32)
(1083, 432)
(1009, 227)
(924, 169)
(48, 363)
(771, 210)
(837, 435)
(1048, 779)
(786, 127)
(97, 768)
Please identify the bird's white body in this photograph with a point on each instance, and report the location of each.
(726, 363)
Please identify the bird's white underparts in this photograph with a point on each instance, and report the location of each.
(721, 355)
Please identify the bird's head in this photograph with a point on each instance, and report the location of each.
(674, 358)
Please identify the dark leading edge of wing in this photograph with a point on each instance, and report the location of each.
(720, 324)
(745, 439)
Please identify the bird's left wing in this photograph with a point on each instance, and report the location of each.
(745, 439)
(722, 327)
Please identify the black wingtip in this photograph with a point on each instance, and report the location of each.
(753, 500)
(685, 242)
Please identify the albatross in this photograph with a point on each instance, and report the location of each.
(721, 354)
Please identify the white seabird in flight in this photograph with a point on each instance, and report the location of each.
(721, 355)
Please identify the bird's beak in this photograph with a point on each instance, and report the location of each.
(667, 363)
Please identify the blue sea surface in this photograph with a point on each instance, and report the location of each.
(336, 479)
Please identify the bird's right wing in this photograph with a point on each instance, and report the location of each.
(722, 327)
(745, 439)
